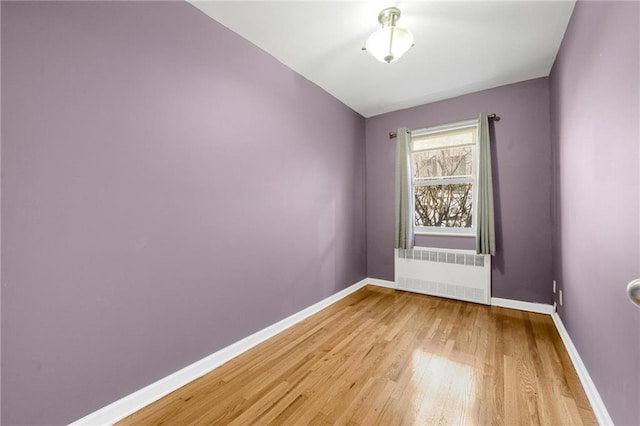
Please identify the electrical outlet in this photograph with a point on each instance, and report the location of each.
(560, 297)
(554, 286)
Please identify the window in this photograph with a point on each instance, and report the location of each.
(445, 178)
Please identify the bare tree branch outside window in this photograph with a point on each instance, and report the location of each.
(441, 204)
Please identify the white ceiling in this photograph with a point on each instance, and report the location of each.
(460, 47)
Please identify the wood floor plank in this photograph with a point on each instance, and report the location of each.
(387, 357)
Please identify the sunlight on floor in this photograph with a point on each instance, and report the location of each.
(443, 389)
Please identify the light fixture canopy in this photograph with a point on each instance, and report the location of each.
(389, 43)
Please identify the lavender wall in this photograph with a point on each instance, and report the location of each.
(0, 220)
(595, 87)
(167, 189)
(522, 185)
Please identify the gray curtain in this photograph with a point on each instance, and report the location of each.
(485, 229)
(404, 195)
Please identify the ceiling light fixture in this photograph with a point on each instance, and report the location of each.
(389, 43)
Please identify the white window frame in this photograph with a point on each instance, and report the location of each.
(433, 230)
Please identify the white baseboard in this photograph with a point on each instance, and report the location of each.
(128, 405)
(539, 308)
(597, 405)
(382, 283)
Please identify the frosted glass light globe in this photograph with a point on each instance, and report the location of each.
(389, 44)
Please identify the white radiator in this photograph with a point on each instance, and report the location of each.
(457, 274)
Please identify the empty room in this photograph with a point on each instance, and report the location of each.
(320, 212)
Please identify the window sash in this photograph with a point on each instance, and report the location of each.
(471, 125)
(444, 231)
(453, 180)
(462, 145)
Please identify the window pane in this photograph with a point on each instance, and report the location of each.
(444, 206)
(443, 162)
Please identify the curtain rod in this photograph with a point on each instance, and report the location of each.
(494, 117)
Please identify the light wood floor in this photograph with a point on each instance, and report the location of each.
(387, 357)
